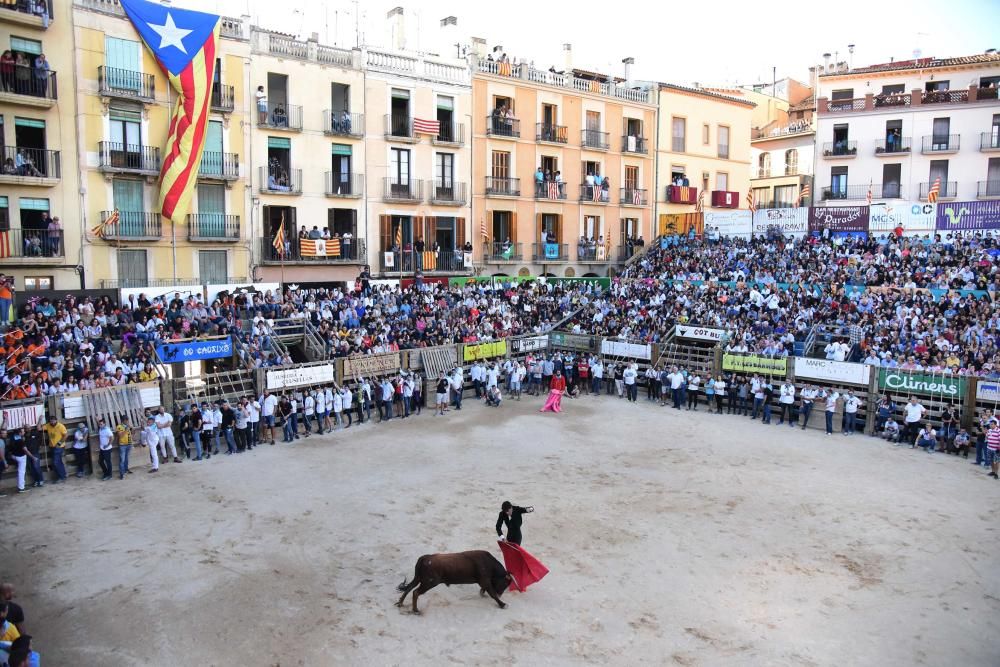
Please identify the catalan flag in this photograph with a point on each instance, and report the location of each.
(700, 206)
(319, 247)
(482, 229)
(751, 204)
(399, 236)
(424, 126)
(279, 238)
(111, 221)
(804, 193)
(932, 194)
(185, 45)
(868, 197)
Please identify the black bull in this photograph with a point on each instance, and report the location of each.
(467, 567)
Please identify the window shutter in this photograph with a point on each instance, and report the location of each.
(417, 227)
(512, 232)
(385, 232)
(459, 232)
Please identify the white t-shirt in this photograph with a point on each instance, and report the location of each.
(320, 402)
(164, 421)
(629, 376)
(338, 402)
(852, 404)
(831, 401)
(693, 382)
(913, 412)
(310, 405)
(254, 408)
(676, 380)
(268, 405)
(787, 394)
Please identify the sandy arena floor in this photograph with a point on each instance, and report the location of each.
(672, 539)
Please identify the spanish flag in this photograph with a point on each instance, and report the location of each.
(184, 43)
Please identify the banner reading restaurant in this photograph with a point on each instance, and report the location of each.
(784, 221)
(924, 384)
(752, 363)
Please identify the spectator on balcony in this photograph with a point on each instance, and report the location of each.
(418, 248)
(539, 182)
(55, 232)
(9, 168)
(25, 165)
(22, 74)
(606, 189)
(7, 64)
(278, 117)
(261, 106)
(41, 9)
(345, 122)
(41, 73)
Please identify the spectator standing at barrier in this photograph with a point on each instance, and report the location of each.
(151, 439)
(984, 423)
(253, 406)
(385, 398)
(123, 436)
(757, 390)
(851, 405)
(81, 449)
(720, 393)
(619, 380)
(786, 403)
(309, 411)
(458, 383)
(55, 434)
(441, 398)
(338, 409)
(768, 392)
(17, 449)
(227, 422)
(322, 409)
(948, 424)
(418, 392)
(993, 448)
(165, 422)
(105, 440)
(830, 398)
(913, 416)
(630, 376)
(808, 396)
(328, 399)
(34, 439)
(884, 411)
(268, 404)
(347, 400)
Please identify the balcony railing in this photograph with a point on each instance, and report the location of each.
(941, 143)
(30, 8)
(503, 252)
(452, 134)
(948, 190)
(410, 261)
(132, 226)
(557, 134)
(343, 123)
(634, 144)
(503, 187)
(725, 199)
(682, 194)
(497, 126)
(31, 83)
(762, 173)
(24, 162)
(990, 141)
(449, 194)
(550, 190)
(594, 139)
(594, 194)
(855, 104)
(842, 192)
(892, 146)
(399, 128)
(281, 117)
(723, 151)
(889, 100)
(988, 189)
(335, 251)
(542, 253)
(219, 166)
(339, 184)
(633, 196)
(394, 189)
(280, 181)
(125, 83)
(134, 158)
(945, 96)
(223, 98)
(34, 244)
(842, 148)
(592, 253)
(213, 227)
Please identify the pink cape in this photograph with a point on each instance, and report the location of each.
(554, 402)
(524, 568)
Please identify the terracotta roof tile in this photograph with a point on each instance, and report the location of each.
(922, 63)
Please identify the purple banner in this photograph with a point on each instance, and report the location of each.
(838, 218)
(968, 215)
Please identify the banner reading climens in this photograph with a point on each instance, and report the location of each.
(968, 215)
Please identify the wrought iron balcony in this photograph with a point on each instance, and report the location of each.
(128, 158)
(394, 189)
(940, 143)
(281, 117)
(339, 184)
(223, 98)
(214, 227)
(633, 196)
(125, 84)
(546, 253)
(503, 187)
(343, 124)
(280, 181)
(556, 134)
(448, 193)
(634, 144)
(22, 164)
(498, 253)
(840, 149)
(132, 226)
(594, 139)
(502, 127)
(892, 146)
(219, 166)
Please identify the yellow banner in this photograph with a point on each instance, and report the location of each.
(751, 363)
(484, 350)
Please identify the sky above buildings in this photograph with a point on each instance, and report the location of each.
(714, 43)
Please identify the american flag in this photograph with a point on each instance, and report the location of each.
(553, 190)
(932, 194)
(636, 197)
(184, 43)
(869, 195)
(750, 201)
(423, 126)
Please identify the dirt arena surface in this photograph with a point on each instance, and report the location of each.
(672, 538)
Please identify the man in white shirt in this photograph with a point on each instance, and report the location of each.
(151, 438)
(676, 384)
(309, 411)
(209, 429)
(328, 408)
(597, 375)
(268, 403)
(345, 401)
(105, 437)
(693, 384)
(830, 399)
(913, 415)
(492, 374)
(457, 381)
(253, 406)
(786, 403)
(165, 423)
(338, 408)
(629, 376)
(321, 410)
(851, 405)
(808, 395)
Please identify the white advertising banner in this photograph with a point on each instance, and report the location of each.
(283, 378)
(787, 221)
(988, 391)
(74, 407)
(617, 348)
(212, 292)
(24, 415)
(700, 333)
(832, 371)
(518, 345)
(735, 224)
(913, 217)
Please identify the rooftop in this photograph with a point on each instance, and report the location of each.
(707, 93)
(920, 64)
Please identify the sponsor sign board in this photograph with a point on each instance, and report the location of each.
(573, 341)
(298, 376)
(786, 221)
(518, 345)
(968, 215)
(838, 218)
(700, 333)
(925, 384)
(617, 348)
(195, 350)
(988, 391)
(832, 371)
(752, 363)
(484, 350)
(370, 365)
(736, 224)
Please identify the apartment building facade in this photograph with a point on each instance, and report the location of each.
(39, 177)
(897, 128)
(419, 157)
(782, 148)
(125, 103)
(563, 169)
(308, 154)
(703, 153)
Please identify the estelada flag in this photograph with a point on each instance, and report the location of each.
(185, 44)
(524, 568)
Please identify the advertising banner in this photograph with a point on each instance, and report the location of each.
(195, 350)
(752, 363)
(681, 224)
(22, 416)
(617, 348)
(573, 341)
(926, 384)
(484, 350)
(700, 333)
(736, 224)
(988, 391)
(832, 371)
(298, 376)
(370, 365)
(520, 345)
(786, 221)
(915, 217)
(968, 215)
(838, 218)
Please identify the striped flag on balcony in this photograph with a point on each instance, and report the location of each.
(482, 230)
(869, 195)
(553, 190)
(700, 206)
(636, 197)
(101, 229)
(750, 202)
(4, 253)
(279, 238)
(319, 247)
(804, 193)
(932, 194)
(399, 236)
(504, 68)
(597, 192)
(423, 126)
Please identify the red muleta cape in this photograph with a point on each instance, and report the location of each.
(522, 566)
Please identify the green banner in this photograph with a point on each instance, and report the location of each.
(570, 341)
(901, 382)
(752, 363)
(484, 350)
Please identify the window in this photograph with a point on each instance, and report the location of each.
(706, 134)
(894, 89)
(4, 215)
(399, 167)
(132, 270)
(123, 60)
(501, 102)
(678, 129)
(446, 117)
(443, 232)
(212, 267)
(932, 86)
(939, 138)
(630, 229)
(843, 94)
(30, 47)
(761, 197)
(128, 199)
(722, 181)
(939, 169)
(593, 227)
(34, 215)
(212, 159)
(890, 180)
(677, 173)
(444, 175)
(723, 142)
(785, 195)
(550, 226)
(125, 147)
(838, 183)
(792, 162)
(631, 177)
(29, 138)
(764, 165)
(633, 127)
(340, 97)
(399, 115)
(503, 227)
(592, 134)
(342, 221)
(279, 160)
(501, 165)
(37, 283)
(992, 178)
(211, 219)
(550, 166)
(340, 169)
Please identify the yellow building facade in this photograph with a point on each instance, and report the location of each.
(543, 145)
(703, 152)
(124, 105)
(39, 173)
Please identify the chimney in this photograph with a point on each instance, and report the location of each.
(826, 62)
(628, 62)
(568, 57)
(479, 46)
(397, 28)
(449, 38)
